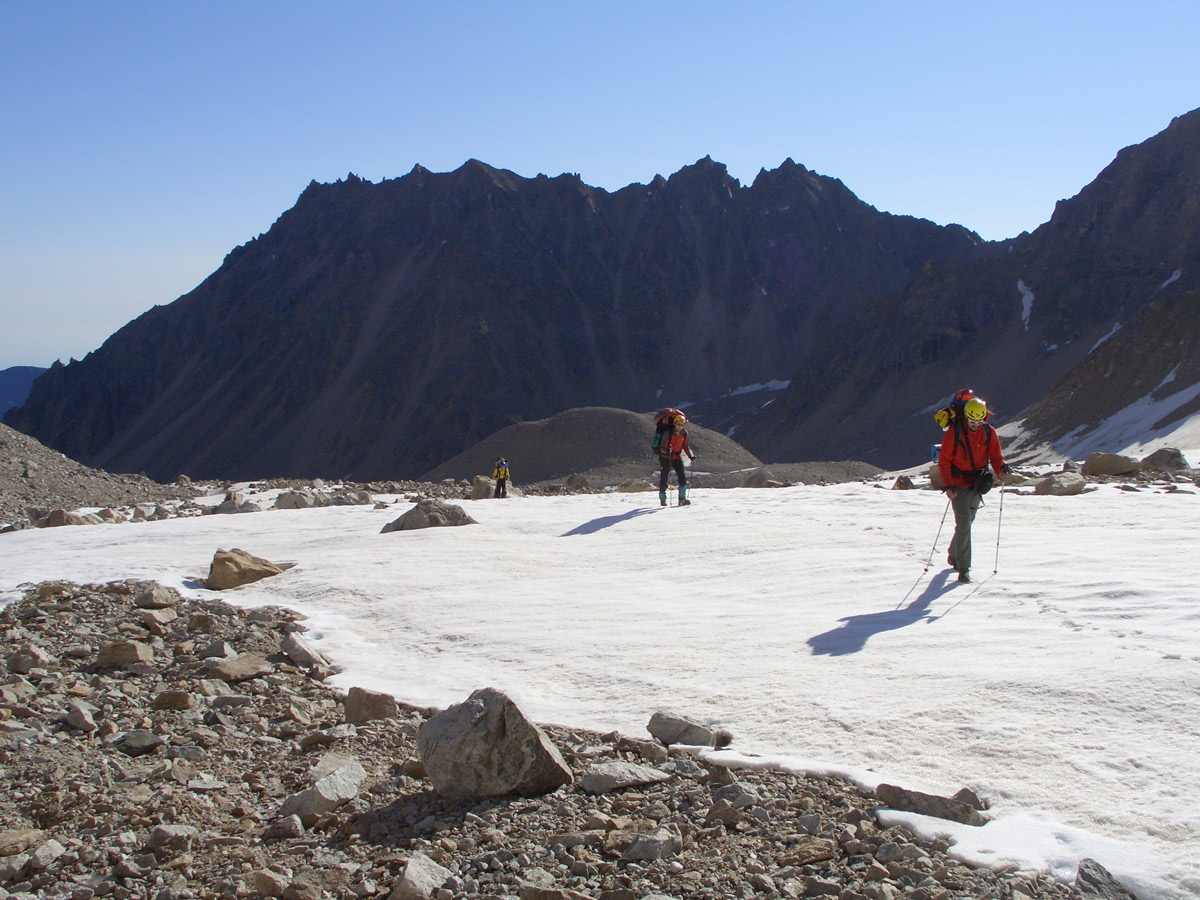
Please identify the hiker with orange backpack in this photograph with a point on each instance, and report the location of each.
(674, 444)
(969, 446)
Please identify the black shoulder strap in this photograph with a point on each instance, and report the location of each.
(960, 439)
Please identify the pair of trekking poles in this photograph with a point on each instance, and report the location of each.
(999, 520)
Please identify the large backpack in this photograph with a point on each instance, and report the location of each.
(662, 423)
(953, 412)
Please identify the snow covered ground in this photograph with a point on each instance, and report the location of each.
(1064, 688)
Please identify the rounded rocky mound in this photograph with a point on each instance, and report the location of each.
(609, 446)
(33, 475)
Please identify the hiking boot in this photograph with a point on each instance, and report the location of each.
(964, 578)
(685, 502)
(662, 498)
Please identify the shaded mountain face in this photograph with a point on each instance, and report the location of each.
(1019, 322)
(379, 329)
(611, 445)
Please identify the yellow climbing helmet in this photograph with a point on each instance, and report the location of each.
(976, 410)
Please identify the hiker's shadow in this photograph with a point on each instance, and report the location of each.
(853, 634)
(606, 521)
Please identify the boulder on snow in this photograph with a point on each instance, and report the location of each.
(1061, 484)
(429, 513)
(672, 729)
(233, 568)
(896, 797)
(1110, 464)
(1167, 459)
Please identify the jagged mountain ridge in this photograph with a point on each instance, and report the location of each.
(378, 329)
(1012, 324)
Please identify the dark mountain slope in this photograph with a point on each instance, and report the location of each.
(1153, 362)
(378, 329)
(1010, 322)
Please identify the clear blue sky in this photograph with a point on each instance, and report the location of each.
(141, 141)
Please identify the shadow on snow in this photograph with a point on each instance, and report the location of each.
(606, 521)
(853, 634)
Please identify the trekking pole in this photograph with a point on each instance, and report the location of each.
(999, 519)
(929, 561)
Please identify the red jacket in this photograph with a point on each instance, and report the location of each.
(673, 444)
(965, 452)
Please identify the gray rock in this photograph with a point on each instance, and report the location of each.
(429, 513)
(18, 841)
(761, 478)
(176, 838)
(672, 729)
(157, 597)
(485, 747)
(1094, 881)
(295, 500)
(1166, 460)
(660, 843)
(28, 657)
(1110, 464)
(243, 668)
(896, 797)
(420, 880)
(301, 652)
(139, 743)
(1061, 484)
(482, 488)
(328, 793)
(737, 795)
(44, 855)
(81, 716)
(614, 776)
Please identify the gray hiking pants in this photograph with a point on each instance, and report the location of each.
(966, 504)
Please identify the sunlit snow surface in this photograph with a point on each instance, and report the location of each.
(1065, 687)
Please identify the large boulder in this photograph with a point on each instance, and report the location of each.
(485, 747)
(233, 568)
(429, 513)
(1061, 484)
(482, 487)
(1111, 465)
(1167, 459)
(298, 500)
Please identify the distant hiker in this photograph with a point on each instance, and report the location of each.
(500, 473)
(670, 455)
(968, 447)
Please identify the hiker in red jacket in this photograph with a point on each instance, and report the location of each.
(969, 446)
(670, 455)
